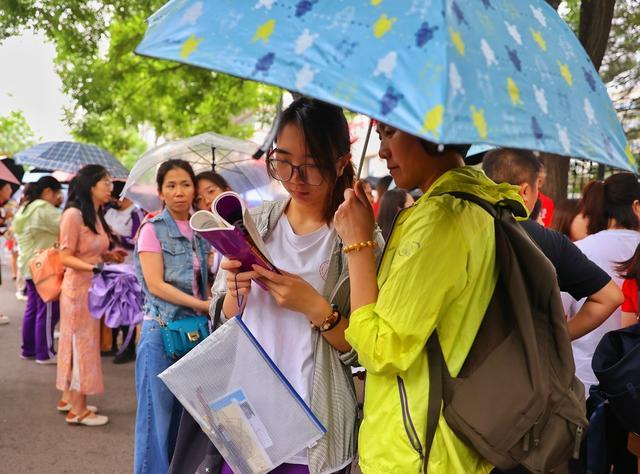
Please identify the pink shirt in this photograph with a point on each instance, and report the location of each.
(148, 242)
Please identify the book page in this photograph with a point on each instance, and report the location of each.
(250, 226)
(205, 220)
(231, 209)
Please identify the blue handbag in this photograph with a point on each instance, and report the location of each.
(182, 335)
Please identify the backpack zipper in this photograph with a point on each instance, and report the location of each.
(578, 442)
(409, 427)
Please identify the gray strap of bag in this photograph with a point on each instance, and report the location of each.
(436, 363)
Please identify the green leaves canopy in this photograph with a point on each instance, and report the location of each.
(15, 134)
(119, 96)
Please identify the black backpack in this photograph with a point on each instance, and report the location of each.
(616, 364)
(516, 399)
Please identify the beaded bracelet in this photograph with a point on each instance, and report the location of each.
(359, 246)
(330, 322)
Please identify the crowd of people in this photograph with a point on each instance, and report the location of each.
(339, 301)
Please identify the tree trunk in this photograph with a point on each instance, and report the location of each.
(557, 181)
(595, 25)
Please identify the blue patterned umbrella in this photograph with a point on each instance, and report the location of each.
(499, 72)
(70, 157)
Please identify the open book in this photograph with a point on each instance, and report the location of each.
(232, 232)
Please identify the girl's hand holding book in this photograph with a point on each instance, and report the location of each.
(238, 283)
(294, 293)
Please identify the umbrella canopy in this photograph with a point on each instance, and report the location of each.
(228, 156)
(7, 175)
(70, 157)
(499, 72)
(16, 170)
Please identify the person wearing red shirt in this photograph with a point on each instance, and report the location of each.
(630, 271)
(548, 206)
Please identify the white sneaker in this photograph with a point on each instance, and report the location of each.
(20, 296)
(49, 361)
(4, 319)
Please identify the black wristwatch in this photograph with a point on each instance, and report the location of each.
(97, 268)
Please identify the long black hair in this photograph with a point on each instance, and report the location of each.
(630, 269)
(326, 134)
(80, 197)
(34, 190)
(612, 198)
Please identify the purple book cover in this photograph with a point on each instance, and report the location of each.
(231, 231)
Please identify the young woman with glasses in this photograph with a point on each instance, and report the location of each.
(301, 319)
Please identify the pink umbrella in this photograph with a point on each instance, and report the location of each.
(7, 175)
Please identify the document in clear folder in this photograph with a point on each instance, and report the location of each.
(242, 401)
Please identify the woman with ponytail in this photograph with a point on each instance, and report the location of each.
(612, 210)
(85, 240)
(36, 227)
(301, 319)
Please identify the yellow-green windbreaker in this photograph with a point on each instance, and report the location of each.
(438, 271)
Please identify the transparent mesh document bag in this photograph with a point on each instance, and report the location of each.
(242, 401)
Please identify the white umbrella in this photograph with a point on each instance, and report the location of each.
(228, 156)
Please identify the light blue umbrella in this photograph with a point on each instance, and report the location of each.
(498, 72)
(70, 157)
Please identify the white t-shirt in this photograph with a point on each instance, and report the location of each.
(606, 249)
(120, 221)
(285, 335)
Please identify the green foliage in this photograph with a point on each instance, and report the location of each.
(116, 94)
(621, 68)
(15, 134)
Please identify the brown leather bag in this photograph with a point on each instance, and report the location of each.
(47, 272)
(516, 399)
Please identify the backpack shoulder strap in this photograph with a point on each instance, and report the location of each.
(436, 366)
(487, 206)
(438, 370)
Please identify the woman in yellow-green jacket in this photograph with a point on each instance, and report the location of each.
(438, 273)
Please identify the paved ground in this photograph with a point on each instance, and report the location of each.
(33, 435)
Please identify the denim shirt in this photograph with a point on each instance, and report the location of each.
(177, 256)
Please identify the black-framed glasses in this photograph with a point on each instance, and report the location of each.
(283, 170)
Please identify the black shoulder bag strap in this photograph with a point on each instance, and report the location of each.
(438, 370)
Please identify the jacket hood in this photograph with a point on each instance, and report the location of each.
(473, 181)
(24, 215)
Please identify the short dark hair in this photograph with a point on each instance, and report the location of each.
(171, 165)
(35, 190)
(435, 149)
(118, 186)
(511, 165)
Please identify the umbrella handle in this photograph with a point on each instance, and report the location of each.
(271, 136)
(364, 149)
